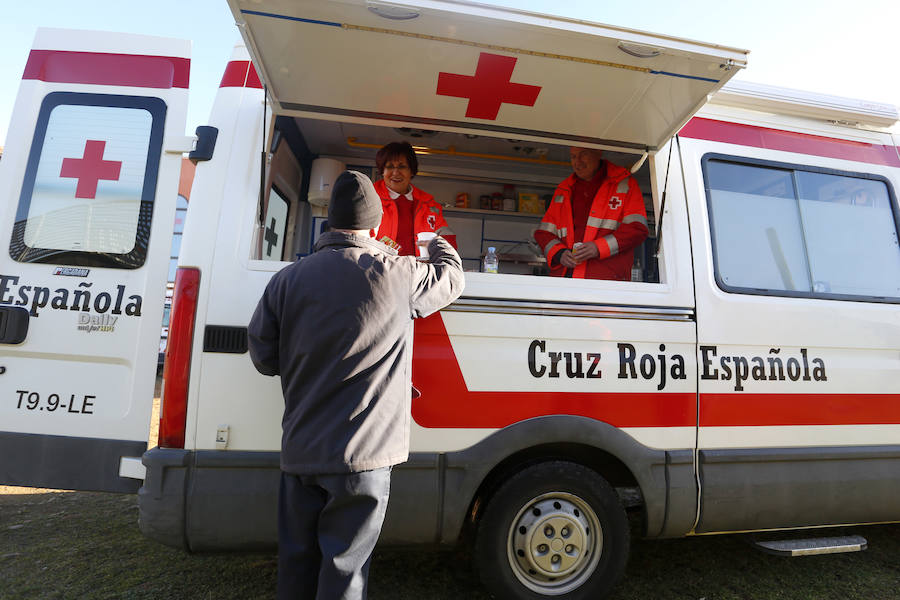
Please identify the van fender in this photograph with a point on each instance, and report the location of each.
(665, 477)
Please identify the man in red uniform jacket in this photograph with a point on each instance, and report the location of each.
(595, 220)
(408, 211)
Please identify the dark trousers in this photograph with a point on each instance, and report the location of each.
(327, 528)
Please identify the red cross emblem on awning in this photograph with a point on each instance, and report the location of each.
(489, 87)
(90, 169)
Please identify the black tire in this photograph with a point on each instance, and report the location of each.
(554, 530)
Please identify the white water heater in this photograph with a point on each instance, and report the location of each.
(322, 177)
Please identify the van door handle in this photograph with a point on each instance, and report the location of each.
(13, 324)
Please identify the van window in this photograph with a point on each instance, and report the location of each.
(90, 181)
(802, 231)
(275, 225)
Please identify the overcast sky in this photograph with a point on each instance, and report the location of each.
(840, 48)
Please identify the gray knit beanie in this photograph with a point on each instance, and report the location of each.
(354, 203)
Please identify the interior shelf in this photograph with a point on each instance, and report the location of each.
(496, 213)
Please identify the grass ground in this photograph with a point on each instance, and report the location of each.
(87, 545)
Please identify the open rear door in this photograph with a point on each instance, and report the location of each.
(87, 202)
(468, 67)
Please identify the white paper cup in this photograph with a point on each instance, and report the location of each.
(422, 241)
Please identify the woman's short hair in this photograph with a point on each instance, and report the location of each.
(395, 150)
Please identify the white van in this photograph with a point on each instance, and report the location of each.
(748, 378)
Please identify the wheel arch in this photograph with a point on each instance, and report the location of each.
(473, 474)
(608, 466)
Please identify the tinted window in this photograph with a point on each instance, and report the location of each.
(802, 231)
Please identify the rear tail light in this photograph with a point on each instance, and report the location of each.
(177, 370)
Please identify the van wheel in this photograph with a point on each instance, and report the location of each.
(555, 529)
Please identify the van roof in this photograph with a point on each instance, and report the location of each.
(769, 98)
(462, 66)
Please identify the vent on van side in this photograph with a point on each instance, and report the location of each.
(221, 338)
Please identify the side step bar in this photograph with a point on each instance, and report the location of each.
(808, 547)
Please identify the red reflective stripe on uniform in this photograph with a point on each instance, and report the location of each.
(99, 68)
(789, 141)
(447, 402)
(240, 73)
(740, 409)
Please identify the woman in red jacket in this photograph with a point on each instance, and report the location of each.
(408, 210)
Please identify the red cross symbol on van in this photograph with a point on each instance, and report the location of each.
(489, 87)
(90, 169)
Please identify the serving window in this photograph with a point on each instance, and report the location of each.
(801, 231)
(493, 192)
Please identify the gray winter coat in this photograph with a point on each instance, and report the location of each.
(337, 327)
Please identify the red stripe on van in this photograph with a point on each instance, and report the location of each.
(740, 409)
(447, 402)
(789, 141)
(98, 68)
(240, 73)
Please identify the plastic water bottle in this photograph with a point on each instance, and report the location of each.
(491, 262)
(637, 273)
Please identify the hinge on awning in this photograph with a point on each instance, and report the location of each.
(640, 162)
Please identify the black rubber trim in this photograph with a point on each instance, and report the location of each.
(780, 488)
(66, 463)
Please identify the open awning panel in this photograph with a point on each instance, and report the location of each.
(465, 66)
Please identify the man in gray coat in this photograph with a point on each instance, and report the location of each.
(337, 327)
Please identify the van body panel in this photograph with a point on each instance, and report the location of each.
(88, 193)
(496, 369)
(773, 442)
(219, 203)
